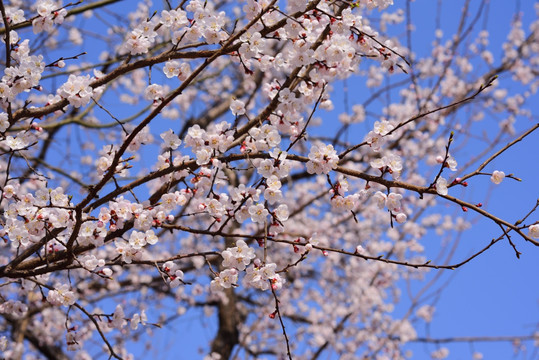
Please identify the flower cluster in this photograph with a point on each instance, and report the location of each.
(322, 159)
(239, 256)
(14, 308)
(174, 274)
(77, 90)
(37, 219)
(392, 202)
(174, 19)
(344, 203)
(174, 68)
(261, 139)
(340, 202)
(132, 249)
(206, 143)
(138, 319)
(141, 38)
(50, 13)
(226, 279)
(21, 141)
(23, 75)
(276, 165)
(91, 262)
(392, 162)
(263, 277)
(62, 295)
(14, 15)
(253, 45)
(273, 194)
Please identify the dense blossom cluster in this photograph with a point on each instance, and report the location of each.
(23, 74)
(193, 168)
(49, 12)
(322, 159)
(76, 90)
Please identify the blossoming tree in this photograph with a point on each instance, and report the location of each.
(200, 157)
